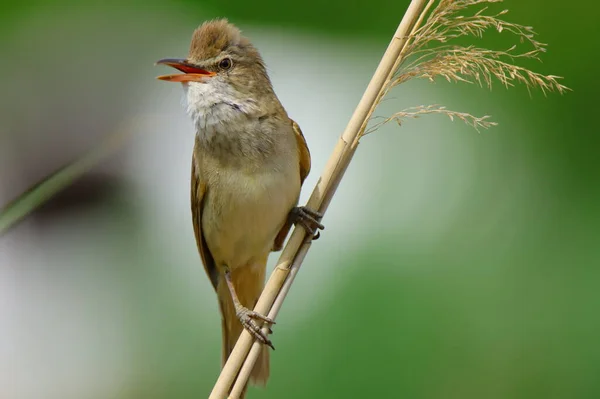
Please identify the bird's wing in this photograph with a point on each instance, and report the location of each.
(304, 157)
(198, 194)
(303, 152)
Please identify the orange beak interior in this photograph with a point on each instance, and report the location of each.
(191, 73)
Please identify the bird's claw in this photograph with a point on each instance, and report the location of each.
(249, 318)
(310, 220)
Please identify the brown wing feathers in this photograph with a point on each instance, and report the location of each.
(198, 194)
(304, 156)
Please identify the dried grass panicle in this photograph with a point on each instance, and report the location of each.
(415, 112)
(477, 65)
(445, 24)
(432, 56)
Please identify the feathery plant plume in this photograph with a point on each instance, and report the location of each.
(433, 57)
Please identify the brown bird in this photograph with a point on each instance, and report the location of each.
(249, 162)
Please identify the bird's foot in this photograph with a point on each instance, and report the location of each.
(309, 219)
(249, 319)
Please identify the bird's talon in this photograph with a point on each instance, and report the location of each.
(248, 319)
(309, 219)
(255, 315)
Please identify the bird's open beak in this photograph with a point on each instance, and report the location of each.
(190, 73)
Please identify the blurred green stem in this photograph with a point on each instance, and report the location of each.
(27, 202)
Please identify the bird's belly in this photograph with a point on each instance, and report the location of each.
(244, 212)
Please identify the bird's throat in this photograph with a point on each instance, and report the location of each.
(212, 104)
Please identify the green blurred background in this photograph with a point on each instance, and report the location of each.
(455, 264)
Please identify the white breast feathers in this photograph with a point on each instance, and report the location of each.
(215, 103)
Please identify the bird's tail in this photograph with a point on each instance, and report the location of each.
(248, 282)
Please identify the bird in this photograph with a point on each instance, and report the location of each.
(249, 162)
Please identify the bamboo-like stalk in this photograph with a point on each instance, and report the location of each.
(289, 262)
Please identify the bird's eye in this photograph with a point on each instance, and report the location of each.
(225, 63)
